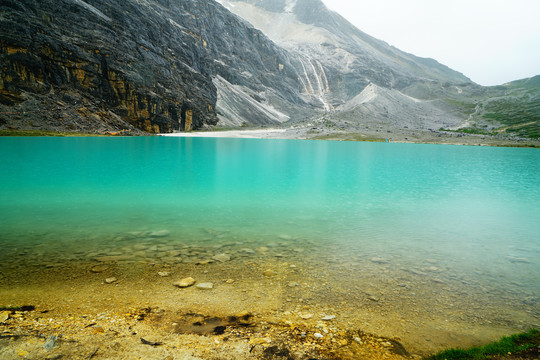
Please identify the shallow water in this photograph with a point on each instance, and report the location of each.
(373, 219)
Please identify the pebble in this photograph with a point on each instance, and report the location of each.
(373, 298)
(184, 283)
(329, 317)
(4, 316)
(111, 280)
(205, 286)
(318, 335)
(269, 273)
(204, 262)
(229, 281)
(306, 316)
(293, 284)
(221, 257)
(164, 273)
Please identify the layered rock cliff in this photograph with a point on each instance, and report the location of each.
(132, 64)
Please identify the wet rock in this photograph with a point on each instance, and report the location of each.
(205, 286)
(51, 342)
(229, 281)
(204, 262)
(518, 260)
(221, 257)
(184, 283)
(306, 316)
(318, 335)
(373, 298)
(111, 280)
(4, 316)
(379, 260)
(99, 268)
(164, 273)
(329, 318)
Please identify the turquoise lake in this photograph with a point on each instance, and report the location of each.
(465, 217)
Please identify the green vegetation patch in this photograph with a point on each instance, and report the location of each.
(519, 344)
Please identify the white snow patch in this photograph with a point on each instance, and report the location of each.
(92, 9)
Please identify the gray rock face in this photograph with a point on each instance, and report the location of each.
(114, 65)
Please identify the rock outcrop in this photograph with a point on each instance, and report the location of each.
(131, 64)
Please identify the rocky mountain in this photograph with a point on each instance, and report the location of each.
(179, 65)
(154, 65)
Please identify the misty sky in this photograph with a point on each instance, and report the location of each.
(490, 41)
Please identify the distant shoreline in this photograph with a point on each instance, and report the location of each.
(306, 133)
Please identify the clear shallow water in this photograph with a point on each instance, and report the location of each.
(471, 211)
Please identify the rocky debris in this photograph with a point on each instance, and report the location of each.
(306, 316)
(111, 280)
(328, 318)
(318, 336)
(184, 283)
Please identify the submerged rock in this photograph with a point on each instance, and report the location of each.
(379, 260)
(99, 268)
(329, 318)
(164, 273)
(160, 233)
(111, 280)
(184, 283)
(221, 257)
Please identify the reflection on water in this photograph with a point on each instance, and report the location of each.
(389, 228)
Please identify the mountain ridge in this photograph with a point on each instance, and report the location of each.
(170, 65)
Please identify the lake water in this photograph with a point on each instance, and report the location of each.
(399, 226)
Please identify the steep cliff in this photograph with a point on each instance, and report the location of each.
(99, 65)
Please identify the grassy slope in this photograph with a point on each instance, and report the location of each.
(512, 109)
(521, 346)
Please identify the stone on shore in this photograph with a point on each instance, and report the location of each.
(4, 316)
(184, 283)
(205, 286)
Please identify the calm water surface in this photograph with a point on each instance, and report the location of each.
(445, 213)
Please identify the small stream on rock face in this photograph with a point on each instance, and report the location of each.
(396, 238)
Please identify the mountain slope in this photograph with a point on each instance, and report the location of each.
(99, 65)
